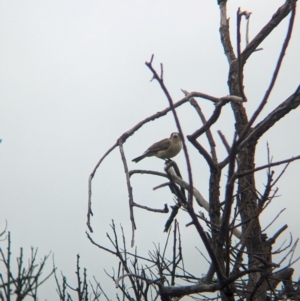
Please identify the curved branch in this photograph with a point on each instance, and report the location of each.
(214, 117)
(274, 77)
(247, 172)
(208, 133)
(279, 15)
(149, 281)
(129, 133)
(186, 154)
(165, 210)
(284, 108)
(179, 181)
(200, 287)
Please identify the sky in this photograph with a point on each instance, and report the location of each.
(73, 79)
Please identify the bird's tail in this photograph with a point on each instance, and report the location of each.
(137, 159)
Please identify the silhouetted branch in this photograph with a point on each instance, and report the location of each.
(129, 133)
(224, 32)
(188, 163)
(274, 77)
(242, 174)
(28, 279)
(208, 133)
(284, 108)
(165, 210)
(129, 189)
(239, 15)
(278, 16)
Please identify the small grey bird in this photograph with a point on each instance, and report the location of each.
(164, 149)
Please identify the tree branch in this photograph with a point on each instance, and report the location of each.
(284, 108)
(278, 16)
(165, 90)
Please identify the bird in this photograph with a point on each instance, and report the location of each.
(164, 149)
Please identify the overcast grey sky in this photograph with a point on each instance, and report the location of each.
(73, 79)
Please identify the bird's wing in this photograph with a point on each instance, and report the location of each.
(161, 145)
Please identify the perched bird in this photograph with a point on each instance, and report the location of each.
(164, 149)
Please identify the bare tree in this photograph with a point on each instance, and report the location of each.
(27, 280)
(84, 289)
(240, 268)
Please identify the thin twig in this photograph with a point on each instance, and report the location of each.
(208, 133)
(277, 17)
(247, 172)
(165, 210)
(240, 66)
(274, 76)
(188, 163)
